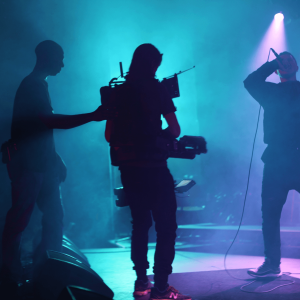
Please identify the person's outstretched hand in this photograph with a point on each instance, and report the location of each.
(104, 112)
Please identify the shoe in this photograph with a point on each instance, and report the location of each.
(265, 270)
(141, 288)
(169, 293)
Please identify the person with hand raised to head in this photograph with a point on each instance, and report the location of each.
(281, 104)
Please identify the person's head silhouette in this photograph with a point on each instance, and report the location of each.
(49, 57)
(145, 61)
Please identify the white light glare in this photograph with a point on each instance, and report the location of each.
(279, 17)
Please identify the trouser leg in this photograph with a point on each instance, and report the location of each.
(50, 204)
(154, 190)
(164, 214)
(141, 222)
(133, 183)
(274, 194)
(25, 189)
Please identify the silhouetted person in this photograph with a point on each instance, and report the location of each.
(146, 179)
(281, 104)
(36, 170)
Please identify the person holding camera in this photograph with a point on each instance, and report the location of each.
(34, 167)
(146, 179)
(281, 104)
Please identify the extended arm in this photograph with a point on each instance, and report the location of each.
(57, 121)
(64, 121)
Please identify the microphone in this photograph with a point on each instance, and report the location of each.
(276, 55)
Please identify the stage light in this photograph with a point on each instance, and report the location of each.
(273, 38)
(279, 17)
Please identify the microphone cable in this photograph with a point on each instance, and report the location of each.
(246, 194)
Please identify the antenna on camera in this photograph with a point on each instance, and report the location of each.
(121, 69)
(171, 83)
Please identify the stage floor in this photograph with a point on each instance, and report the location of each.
(201, 275)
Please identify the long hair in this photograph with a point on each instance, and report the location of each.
(142, 61)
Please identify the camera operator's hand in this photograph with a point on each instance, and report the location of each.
(104, 112)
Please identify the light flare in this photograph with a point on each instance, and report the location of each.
(279, 17)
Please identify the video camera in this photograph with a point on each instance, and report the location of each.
(186, 147)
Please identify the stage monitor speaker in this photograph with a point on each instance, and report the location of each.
(58, 270)
(68, 247)
(72, 292)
